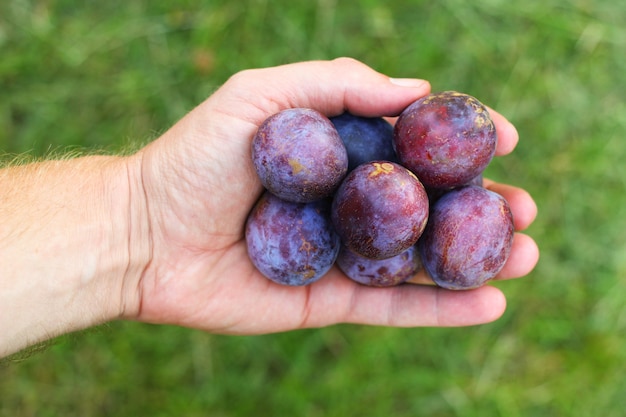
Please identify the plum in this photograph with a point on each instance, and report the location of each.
(299, 155)
(380, 209)
(291, 243)
(379, 272)
(366, 138)
(445, 138)
(468, 238)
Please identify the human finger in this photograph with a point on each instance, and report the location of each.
(506, 132)
(522, 204)
(401, 306)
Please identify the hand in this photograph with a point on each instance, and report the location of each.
(197, 185)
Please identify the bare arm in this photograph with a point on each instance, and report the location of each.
(158, 236)
(64, 247)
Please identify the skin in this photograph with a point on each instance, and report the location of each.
(157, 236)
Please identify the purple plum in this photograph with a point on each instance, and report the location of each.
(299, 155)
(291, 243)
(379, 272)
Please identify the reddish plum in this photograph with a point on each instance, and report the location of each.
(468, 238)
(445, 138)
(380, 209)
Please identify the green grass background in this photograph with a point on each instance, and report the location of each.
(108, 75)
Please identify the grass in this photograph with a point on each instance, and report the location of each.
(109, 76)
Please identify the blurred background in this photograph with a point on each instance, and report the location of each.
(112, 75)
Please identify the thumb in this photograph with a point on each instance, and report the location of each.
(331, 87)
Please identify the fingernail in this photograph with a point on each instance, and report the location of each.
(407, 82)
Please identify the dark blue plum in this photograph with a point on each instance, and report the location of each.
(379, 272)
(291, 243)
(468, 238)
(299, 156)
(380, 209)
(446, 139)
(366, 138)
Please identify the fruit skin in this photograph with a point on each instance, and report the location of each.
(291, 243)
(445, 138)
(379, 272)
(435, 194)
(468, 238)
(366, 138)
(299, 155)
(380, 209)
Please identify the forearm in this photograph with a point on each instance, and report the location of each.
(64, 247)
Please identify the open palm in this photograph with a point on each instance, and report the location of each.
(199, 185)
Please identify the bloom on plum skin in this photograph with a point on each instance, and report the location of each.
(366, 138)
(299, 155)
(291, 243)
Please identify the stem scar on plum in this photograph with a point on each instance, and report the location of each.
(381, 168)
(307, 247)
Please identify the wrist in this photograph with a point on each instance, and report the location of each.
(65, 257)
